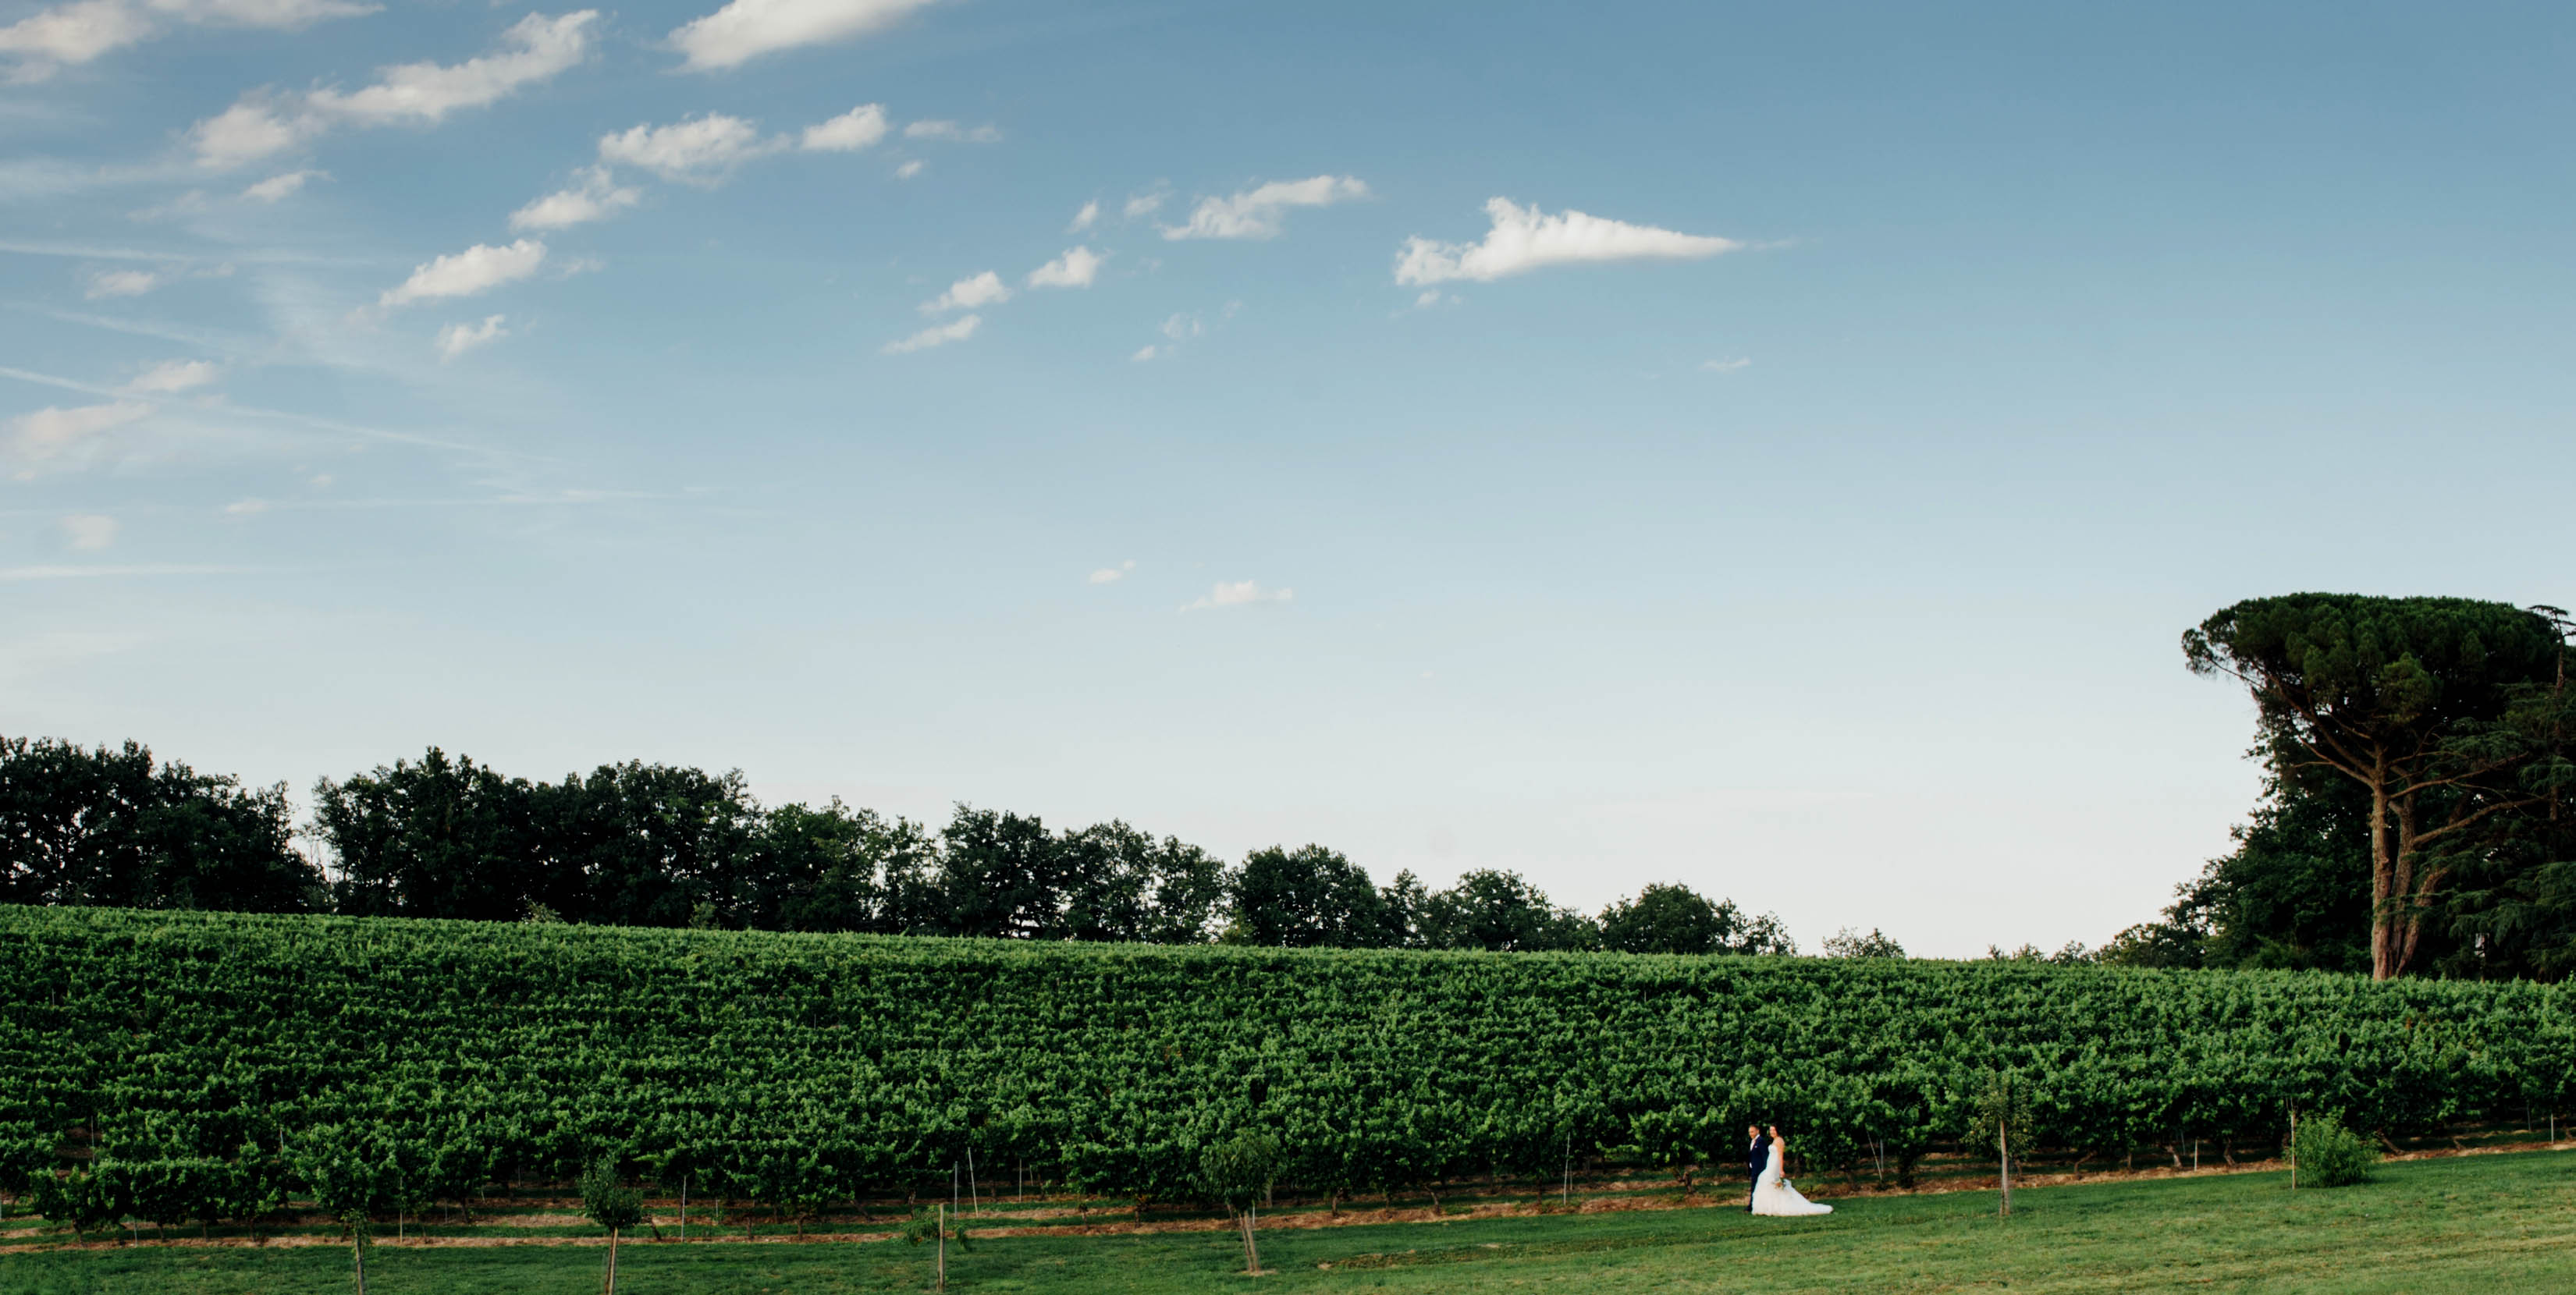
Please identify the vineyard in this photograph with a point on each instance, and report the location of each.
(187, 1067)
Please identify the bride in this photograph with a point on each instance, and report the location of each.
(1772, 1193)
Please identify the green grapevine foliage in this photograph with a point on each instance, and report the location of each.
(189, 1065)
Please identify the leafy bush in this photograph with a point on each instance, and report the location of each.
(607, 1201)
(2329, 1154)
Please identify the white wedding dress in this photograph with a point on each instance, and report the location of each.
(1773, 1195)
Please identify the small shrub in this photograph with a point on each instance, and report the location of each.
(2331, 1155)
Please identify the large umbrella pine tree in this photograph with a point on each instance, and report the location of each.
(2450, 713)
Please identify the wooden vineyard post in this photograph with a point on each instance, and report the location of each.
(611, 1288)
(943, 1247)
(684, 1208)
(2003, 1153)
(1251, 1247)
(2293, 1148)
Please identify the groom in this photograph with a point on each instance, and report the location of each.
(1753, 1162)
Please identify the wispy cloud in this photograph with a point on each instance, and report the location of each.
(39, 438)
(596, 196)
(949, 130)
(1238, 593)
(859, 128)
(479, 268)
(1112, 575)
(908, 169)
(1524, 239)
(1726, 365)
(1256, 212)
(969, 294)
(456, 339)
(1145, 204)
(700, 151)
(123, 283)
(173, 376)
(109, 573)
(278, 187)
(1075, 269)
(955, 330)
(1085, 218)
(534, 49)
(86, 29)
(88, 532)
(747, 29)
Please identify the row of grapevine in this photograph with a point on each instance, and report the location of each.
(385, 1064)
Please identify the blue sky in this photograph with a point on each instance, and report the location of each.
(1773, 448)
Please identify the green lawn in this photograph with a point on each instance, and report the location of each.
(2481, 1224)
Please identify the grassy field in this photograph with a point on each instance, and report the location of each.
(2481, 1224)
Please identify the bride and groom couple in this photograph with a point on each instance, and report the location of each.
(1772, 1193)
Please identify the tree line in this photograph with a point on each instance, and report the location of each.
(639, 844)
(2419, 805)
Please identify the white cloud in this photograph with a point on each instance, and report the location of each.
(1144, 353)
(969, 294)
(956, 330)
(1111, 575)
(1075, 269)
(908, 169)
(463, 274)
(859, 128)
(1255, 213)
(456, 339)
(1238, 593)
(534, 49)
(747, 29)
(1524, 239)
(246, 508)
(1085, 218)
(698, 151)
(1725, 366)
(89, 531)
(248, 131)
(175, 376)
(1183, 327)
(123, 283)
(86, 29)
(597, 197)
(1145, 204)
(950, 130)
(51, 432)
(277, 187)
(1430, 297)
(75, 33)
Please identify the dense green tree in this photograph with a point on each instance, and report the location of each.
(1850, 943)
(444, 837)
(1672, 918)
(1122, 884)
(832, 869)
(1309, 897)
(1491, 909)
(1001, 875)
(653, 844)
(2449, 713)
(2295, 893)
(111, 826)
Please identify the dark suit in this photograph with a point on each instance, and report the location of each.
(1760, 1155)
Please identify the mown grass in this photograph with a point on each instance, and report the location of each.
(2479, 1224)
